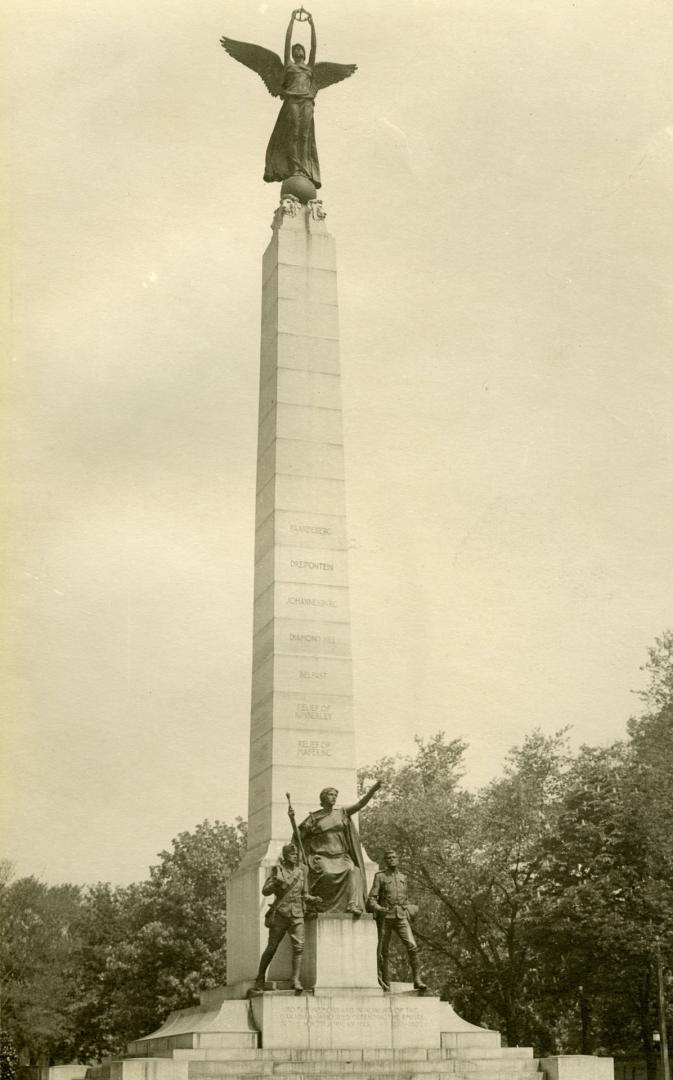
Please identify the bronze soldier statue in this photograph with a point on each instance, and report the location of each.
(288, 883)
(389, 902)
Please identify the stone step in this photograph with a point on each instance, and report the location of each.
(515, 1057)
(470, 1040)
(372, 1071)
(300, 1055)
(284, 1064)
(382, 1066)
(194, 1040)
(496, 1070)
(204, 1064)
(337, 1070)
(364, 1070)
(369, 1075)
(489, 1053)
(211, 1063)
(514, 1067)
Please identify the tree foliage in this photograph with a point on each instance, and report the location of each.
(659, 667)
(541, 897)
(542, 894)
(475, 862)
(9, 1059)
(36, 949)
(85, 971)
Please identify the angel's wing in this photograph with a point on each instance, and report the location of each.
(267, 64)
(325, 74)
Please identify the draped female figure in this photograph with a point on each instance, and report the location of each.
(292, 149)
(336, 871)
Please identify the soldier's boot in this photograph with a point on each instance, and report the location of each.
(384, 974)
(296, 973)
(416, 972)
(264, 961)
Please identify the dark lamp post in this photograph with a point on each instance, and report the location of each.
(660, 1036)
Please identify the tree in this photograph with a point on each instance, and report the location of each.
(9, 1059)
(651, 811)
(607, 892)
(651, 806)
(515, 816)
(659, 666)
(36, 969)
(150, 948)
(105, 930)
(475, 862)
(578, 927)
(84, 971)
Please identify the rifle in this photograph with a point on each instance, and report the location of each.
(295, 830)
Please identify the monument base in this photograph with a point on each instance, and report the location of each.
(342, 1019)
(284, 1022)
(366, 1036)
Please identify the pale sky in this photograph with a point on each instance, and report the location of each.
(498, 176)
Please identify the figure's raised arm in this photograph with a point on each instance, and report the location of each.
(287, 55)
(350, 810)
(314, 41)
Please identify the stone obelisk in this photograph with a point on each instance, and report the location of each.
(302, 732)
(301, 740)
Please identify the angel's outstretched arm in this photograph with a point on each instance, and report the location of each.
(311, 59)
(287, 55)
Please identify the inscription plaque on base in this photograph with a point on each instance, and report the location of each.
(347, 1021)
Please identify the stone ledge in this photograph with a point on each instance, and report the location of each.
(149, 1069)
(578, 1067)
(280, 1054)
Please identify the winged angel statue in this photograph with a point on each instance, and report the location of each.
(292, 149)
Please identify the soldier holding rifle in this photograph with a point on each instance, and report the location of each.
(288, 884)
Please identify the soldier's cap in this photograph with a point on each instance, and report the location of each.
(289, 847)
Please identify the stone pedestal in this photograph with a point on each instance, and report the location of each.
(340, 954)
(578, 1067)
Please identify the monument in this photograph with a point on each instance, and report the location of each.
(349, 1019)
